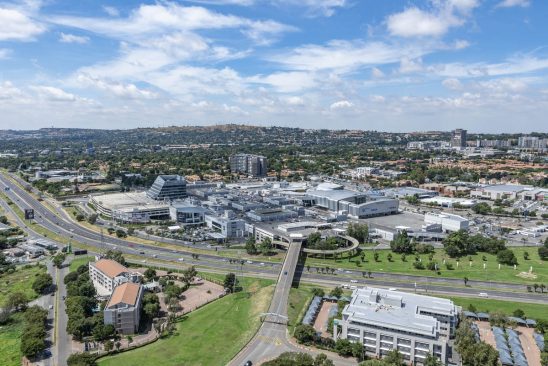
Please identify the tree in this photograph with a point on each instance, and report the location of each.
(458, 244)
(150, 274)
(116, 255)
(358, 231)
(402, 243)
(59, 259)
(250, 246)
(109, 345)
(376, 256)
(151, 310)
(358, 350)
(305, 333)
(432, 360)
(543, 253)
(42, 283)
(322, 360)
(507, 256)
(17, 301)
(518, 313)
(482, 208)
(92, 219)
(343, 347)
(394, 358)
(465, 281)
(230, 282)
(121, 233)
(337, 292)
(189, 274)
(266, 246)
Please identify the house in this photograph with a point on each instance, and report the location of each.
(123, 309)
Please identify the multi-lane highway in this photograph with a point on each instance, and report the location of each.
(63, 226)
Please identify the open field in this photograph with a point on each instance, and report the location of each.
(19, 281)
(299, 298)
(474, 272)
(211, 335)
(533, 311)
(78, 261)
(10, 341)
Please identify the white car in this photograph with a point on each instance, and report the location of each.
(483, 294)
(353, 281)
(249, 262)
(181, 259)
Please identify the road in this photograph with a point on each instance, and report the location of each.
(66, 227)
(273, 338)
(63, 341)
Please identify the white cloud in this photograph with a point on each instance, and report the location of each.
(9, 92)
(287, 82)
(512, 3)
(504, 85)
(344, 56)
(376, 73)
(5, 53)
(377, 98)
(341, 104)
(150, 20)
(54, 94)
(111, 10)
(519, 64)
(16, 25)
(295, 101)
(122, 90)
(461, 44)
(316, 7)
(71, 38)
(452, 84)
(408, 65)
(445, 14)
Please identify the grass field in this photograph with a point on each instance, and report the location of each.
(19, 281)
(10, 341)
(299, 298)
(78, 261)
(475, 272)
(209, 336)
(533, 311)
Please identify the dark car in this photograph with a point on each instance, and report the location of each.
(285, 272)
(248, 363)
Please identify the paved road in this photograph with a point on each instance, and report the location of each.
(63, 344)
(92, 238)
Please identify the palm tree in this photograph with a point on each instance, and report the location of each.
(535, 286)
(465, 281)
(542, 287)
(308, 268)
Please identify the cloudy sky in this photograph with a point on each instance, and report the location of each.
(367, 64)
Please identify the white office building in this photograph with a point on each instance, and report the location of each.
(227, 225)
(385, 320)
(448, 222)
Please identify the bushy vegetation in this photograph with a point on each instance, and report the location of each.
(299, 359)
(34, 331)
(474, 353)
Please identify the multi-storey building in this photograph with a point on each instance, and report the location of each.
(227, 225)
(123, 309)
(532, 143)
(384, 320)
(106, 274)
(458, 138)
(254, 165)
(168, 187)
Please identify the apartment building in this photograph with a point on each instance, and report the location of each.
(123, 309)
(384, 320)
(254, 165)
(107, 274)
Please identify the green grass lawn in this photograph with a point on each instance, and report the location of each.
(209, 336)
(299, 298)
(19, 281)
(533, 311)
(475, 272)
(78, 261)
(10, 341)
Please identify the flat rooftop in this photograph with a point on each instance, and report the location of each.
(129, 201)
(340, 194)
(507, 188)
(397, 310)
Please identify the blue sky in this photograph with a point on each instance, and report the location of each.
(365, 64)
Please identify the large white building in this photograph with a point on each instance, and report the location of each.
(356, 204)
(227, 225)
(447, 222)
(502, 191)
(106, 274)
(384, 320)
